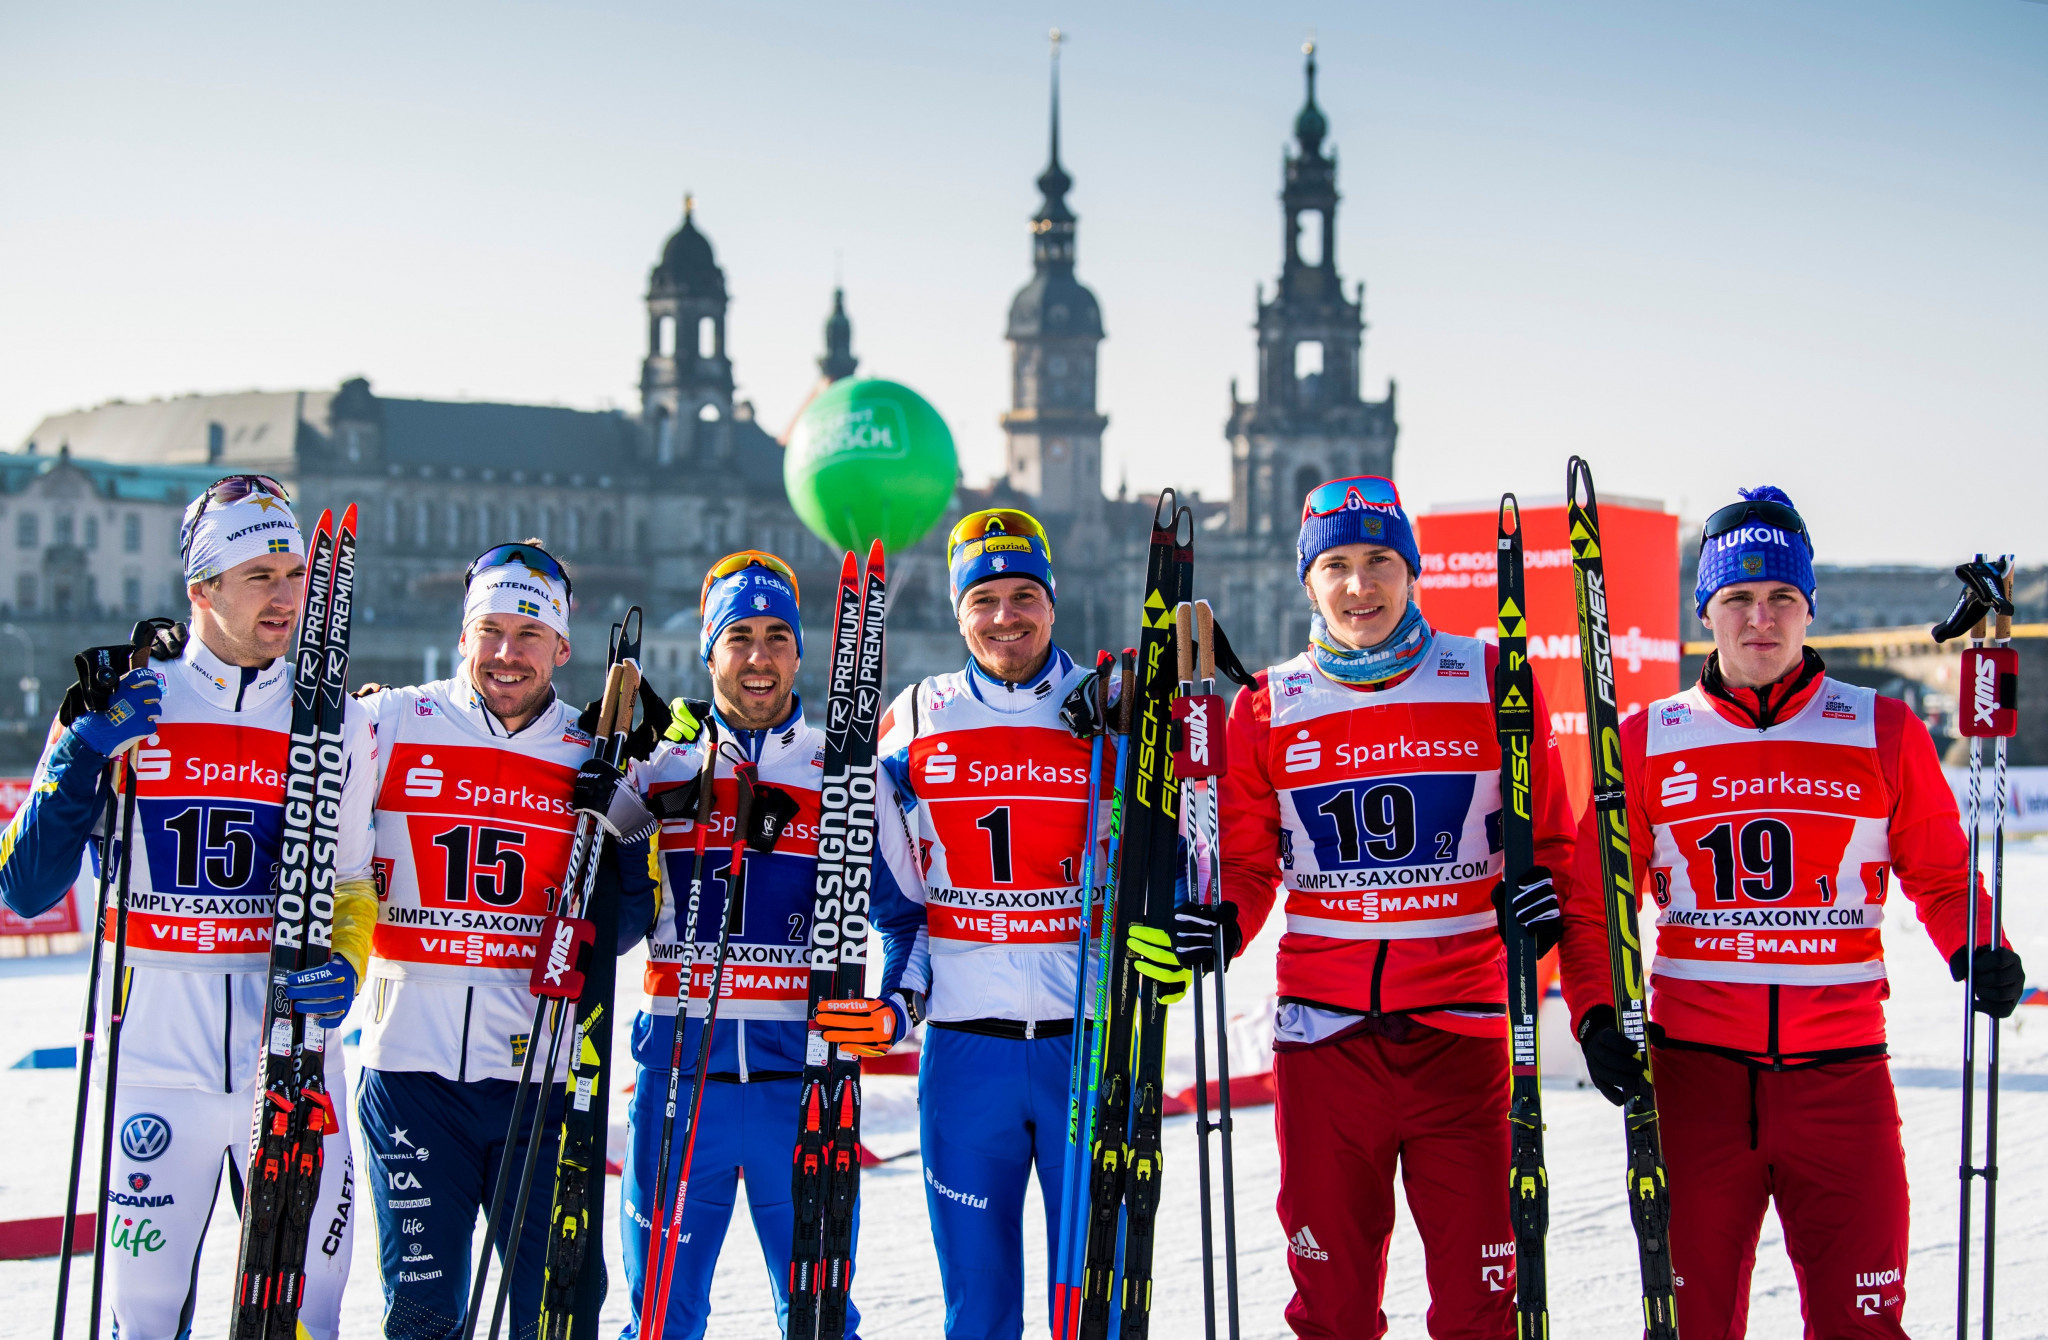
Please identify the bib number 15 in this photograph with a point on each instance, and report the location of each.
(486, 860)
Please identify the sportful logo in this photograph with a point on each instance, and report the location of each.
(1304, 1245)
(145, 1136)
(1984, 692)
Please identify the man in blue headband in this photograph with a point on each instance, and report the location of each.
(1770, 795)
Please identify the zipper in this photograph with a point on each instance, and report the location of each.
(1771, 1041)
(227, 1033)
(1030, 1006)
(1379, 969)
(739, 1030)
(462, 1066)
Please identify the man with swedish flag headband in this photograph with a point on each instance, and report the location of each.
(985, 839)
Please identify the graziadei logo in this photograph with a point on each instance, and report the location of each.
(1681, 787)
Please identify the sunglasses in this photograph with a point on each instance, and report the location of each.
(1779, 515)
(740, 562)
(1354, 492)
(529, 556)
(996, 521)
(225, 491)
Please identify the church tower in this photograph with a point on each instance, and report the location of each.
(686, 378)
(1055, 435)
(838, 362)
(1308, 422)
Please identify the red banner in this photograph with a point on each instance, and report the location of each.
(1641, 548)
(61, 919)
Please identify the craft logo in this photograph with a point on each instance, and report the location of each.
(337, 1227)
(145, 1136)
(1681, 787)
(1674, 714)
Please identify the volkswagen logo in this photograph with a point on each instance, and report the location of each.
(145, 1136)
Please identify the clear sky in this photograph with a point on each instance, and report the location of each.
(1705, 245)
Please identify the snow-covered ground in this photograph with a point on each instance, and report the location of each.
(1593, 1282)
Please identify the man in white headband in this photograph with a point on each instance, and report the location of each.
(474, 825)
(210, 731)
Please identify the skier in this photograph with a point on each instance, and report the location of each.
(992, 792)
(1365, 781)
(1768, 807)
(752, 645)
(211, 731)
(475, 775)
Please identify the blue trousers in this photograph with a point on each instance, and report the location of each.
(433, 1147)
(988, 1110)
(744, 1131)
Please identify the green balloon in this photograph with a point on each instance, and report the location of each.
(870, 459)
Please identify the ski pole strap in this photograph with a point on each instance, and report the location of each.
(1226, 659)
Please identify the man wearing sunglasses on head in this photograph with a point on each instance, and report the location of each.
(475, 818)
(1364, 786)
(1769, 808)
(985, 836)
(752, 644)
(209, 726)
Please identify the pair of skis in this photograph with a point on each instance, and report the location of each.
(1988, 709)
(294, 1112)
(1125, 1153)
(825, 1174)
(573, 973)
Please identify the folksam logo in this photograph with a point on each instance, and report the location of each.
(145, 1136)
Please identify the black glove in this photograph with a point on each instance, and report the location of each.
(1531, 899)
(2001, 978)
(773, 809)
(168, 643)
(1082, 712)
(602, 793)
(1615, 1063)
(641, 740)
(1194, 934)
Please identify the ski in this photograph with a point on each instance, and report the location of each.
(1125, 1158)
(1514, 716)
(294, 1112)
(571, 1293)
(825, 1177)
(1649, 1194)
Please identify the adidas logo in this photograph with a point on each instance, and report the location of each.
(1304, 1245)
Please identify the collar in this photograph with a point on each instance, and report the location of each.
(234, 688)
(1762, 708)
(755, 743)
(1004, 696)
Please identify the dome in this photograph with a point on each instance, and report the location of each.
(687, 268)
(1054, 303)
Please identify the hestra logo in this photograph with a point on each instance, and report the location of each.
(1681, 787)
(561, 953)
(1984, 693)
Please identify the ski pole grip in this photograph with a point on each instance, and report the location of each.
(707, 799)
(628, 699)
(1184, 642)
(2002, 626)
(742, 801)
(608, 705)
(1205, 641)
(1129, 689)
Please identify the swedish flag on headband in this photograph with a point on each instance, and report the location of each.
(529, 609)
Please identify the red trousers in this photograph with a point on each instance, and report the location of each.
(1824, 1144)
(1347, 1111)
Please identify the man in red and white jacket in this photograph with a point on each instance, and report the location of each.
(1365, 783)
(1769, 808)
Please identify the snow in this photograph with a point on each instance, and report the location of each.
(1593, 1283)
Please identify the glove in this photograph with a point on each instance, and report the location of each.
(1531, 899)
(367, 690)
(324, 992)
(1151, 952)
(1194, 934)
(1616, 1063)
(2001, 979)
(769, 820)
(858, 1027)
(168, 642)
(640, 741)
(603, 793)
(127, 717)
(1082, 711)
(687, 719)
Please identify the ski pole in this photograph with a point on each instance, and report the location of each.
(2001, 634)
(1205, 674)
(660, 1247)
(1065, 1286)
(1967, 1168)
(735, 877)
(1184, 659)
(614, 722)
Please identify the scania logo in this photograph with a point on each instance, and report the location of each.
(145, 1136)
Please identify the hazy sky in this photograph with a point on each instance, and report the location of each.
(1705, 245)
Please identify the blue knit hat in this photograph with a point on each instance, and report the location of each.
(1353, 517)
(751, 593)
(998, 542)
(1752, 546)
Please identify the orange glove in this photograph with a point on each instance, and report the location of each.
(858, 1027)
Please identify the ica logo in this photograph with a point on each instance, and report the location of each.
(1304, 754)
(1681, 787)
(145, 1136)
(423, 781)
(940, 765)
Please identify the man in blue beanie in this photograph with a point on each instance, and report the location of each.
(1771, 795)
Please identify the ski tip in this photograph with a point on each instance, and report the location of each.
(326, 522)
(1510, 514)
(849, 569)
(348, 519)
(1163, 515)
(877, 561)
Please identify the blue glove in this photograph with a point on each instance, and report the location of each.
(324, 992)
(132, 714)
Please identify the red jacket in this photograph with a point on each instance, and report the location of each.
(1417, 974)
(1778, 1022)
